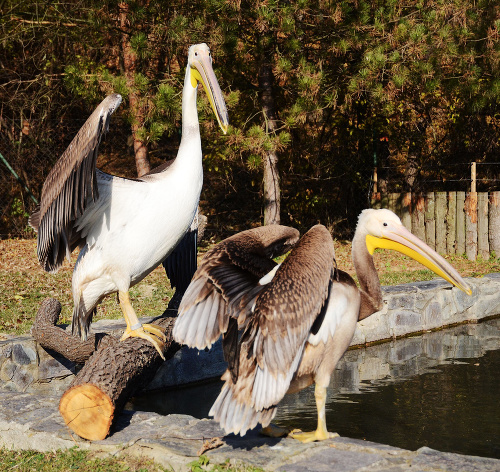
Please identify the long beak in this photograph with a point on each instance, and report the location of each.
(202, 72)
(398, 238)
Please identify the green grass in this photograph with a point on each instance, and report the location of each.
(72, 459)
(21, 294)
(85, 461)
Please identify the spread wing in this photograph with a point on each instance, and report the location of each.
(227, 273)
(69, 188)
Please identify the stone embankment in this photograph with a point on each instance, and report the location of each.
(31, 381)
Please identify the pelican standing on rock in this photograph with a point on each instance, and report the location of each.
(124, 227)
(297, 320)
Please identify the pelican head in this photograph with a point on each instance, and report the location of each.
(200, 67)
(383, 229)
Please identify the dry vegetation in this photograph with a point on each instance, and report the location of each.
(23, 284)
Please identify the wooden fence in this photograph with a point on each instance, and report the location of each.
(450, 222)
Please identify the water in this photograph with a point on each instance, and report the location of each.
(439, 390)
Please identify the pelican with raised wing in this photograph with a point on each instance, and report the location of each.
(124, 227)
(297, 320)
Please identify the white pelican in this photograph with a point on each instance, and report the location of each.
(125, 227)
(297, 321)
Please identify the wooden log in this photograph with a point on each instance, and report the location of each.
(460, 228)
(54, 338)
(405, 210)
(108, 379)
(471, 226)
(483, 245)
(494, 223)
(451, 224)
(417, 216)
(441, 211)
(430, 221)
(113, 372)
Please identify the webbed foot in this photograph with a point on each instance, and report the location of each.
(153, 334)
(311, 436)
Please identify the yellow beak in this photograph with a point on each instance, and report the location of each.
(398, 238)
(201, 71)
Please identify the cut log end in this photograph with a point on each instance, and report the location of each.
(88, 411)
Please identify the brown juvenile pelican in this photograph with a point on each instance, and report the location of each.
(125, 227)
(297, 320)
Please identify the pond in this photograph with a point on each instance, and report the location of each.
(440, 390)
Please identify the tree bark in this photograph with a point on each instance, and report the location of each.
(137, 107)
(272, 192)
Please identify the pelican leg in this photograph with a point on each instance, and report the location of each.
(153, 334)
(321, 432)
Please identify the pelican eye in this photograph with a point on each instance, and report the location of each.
(385, 224)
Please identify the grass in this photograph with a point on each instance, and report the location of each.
(73, 459)
(86, 461)
(23, 284)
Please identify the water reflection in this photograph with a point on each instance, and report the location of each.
(439, 390)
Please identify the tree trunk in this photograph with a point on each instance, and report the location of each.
(272, 193)
(136, 106)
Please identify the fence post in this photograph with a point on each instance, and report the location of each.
(473, 177)
(392, 203)
(451, 224)
(483, 246)
(441, 210)
(460, 249)
(430, 222)
(494, 223)
(417, 216)
(471, 226)
(406, 210)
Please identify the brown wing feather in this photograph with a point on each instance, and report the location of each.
(226, 273)
(71, 183)
(288, 307)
